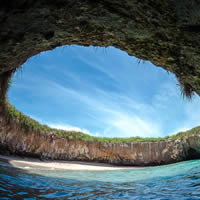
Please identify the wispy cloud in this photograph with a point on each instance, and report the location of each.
(114, 112)
(131, 125)
(96, 64)
(72, 128)
(122, 116)
(128, 110)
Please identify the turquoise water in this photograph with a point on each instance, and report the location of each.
(176, 181)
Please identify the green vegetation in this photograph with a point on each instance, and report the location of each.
(27, 124)
(186, 90)
(5, 82)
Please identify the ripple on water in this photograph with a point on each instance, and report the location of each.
(177, 181)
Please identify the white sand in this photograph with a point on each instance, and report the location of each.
(66, 165)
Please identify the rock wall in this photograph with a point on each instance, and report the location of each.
(163, 32)
(14, 141)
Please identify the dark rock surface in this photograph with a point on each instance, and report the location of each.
(163, 32)
(14, 141)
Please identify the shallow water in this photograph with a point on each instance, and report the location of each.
(176, 181)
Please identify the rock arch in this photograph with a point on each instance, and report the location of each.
(163, 32)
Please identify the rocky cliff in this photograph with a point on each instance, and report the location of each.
(15, 141)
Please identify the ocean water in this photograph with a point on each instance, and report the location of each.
(175, 181)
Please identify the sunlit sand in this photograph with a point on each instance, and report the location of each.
(64, 165)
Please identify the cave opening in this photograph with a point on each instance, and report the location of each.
(101, 92)
(164, 33)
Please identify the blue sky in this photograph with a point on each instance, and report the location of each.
(102, 92)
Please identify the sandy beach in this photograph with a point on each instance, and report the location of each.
(63, 165)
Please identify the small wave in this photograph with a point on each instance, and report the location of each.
(177, 181)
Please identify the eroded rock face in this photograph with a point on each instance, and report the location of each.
(163, 32)
(15, 141)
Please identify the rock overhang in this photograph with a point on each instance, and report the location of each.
(165, 33)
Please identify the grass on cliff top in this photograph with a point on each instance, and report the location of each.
(26, 124)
